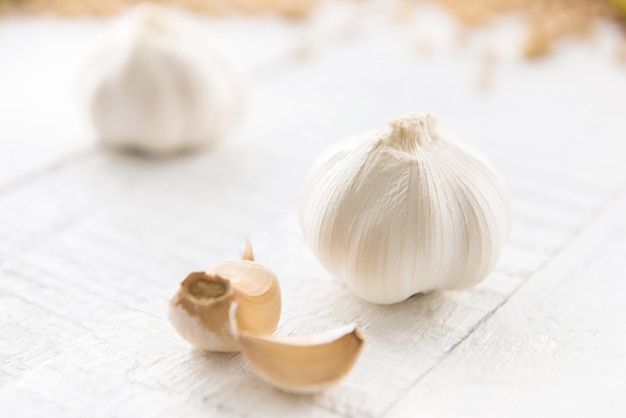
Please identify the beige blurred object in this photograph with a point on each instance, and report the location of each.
(547, 20)
(486, 71)
(294, 9)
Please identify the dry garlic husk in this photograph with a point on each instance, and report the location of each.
(199, 311)
(152, 87)
(405, 210)
(301, 364)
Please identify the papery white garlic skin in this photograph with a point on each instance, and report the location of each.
(151, 86)
(405, 210)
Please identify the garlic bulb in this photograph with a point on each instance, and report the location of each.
(152, 87)
(301, 364)
(405, 210)
(199, 311)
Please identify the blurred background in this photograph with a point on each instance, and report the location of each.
(422, 55)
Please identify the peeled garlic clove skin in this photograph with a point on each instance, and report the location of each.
(405, 210)
(307, 364)
(152, 87)
(199, 311)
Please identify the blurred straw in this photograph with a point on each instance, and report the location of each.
(547, 20)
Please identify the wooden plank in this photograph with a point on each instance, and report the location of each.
(103, 255)
(414, 336)
(26, 336)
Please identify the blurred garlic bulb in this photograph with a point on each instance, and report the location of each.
(152, 87)
(405, 210)
(301, 364)
(199, 311)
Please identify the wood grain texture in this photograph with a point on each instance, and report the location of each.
(91, 249)
(556, 348)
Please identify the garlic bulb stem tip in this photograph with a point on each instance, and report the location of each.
(412, 131)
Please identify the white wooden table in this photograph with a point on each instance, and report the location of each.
(93, 244)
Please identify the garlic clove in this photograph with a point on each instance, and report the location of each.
(301, 364)
(257, 291)
(154, 86)
(199, 311)
(405, 210)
